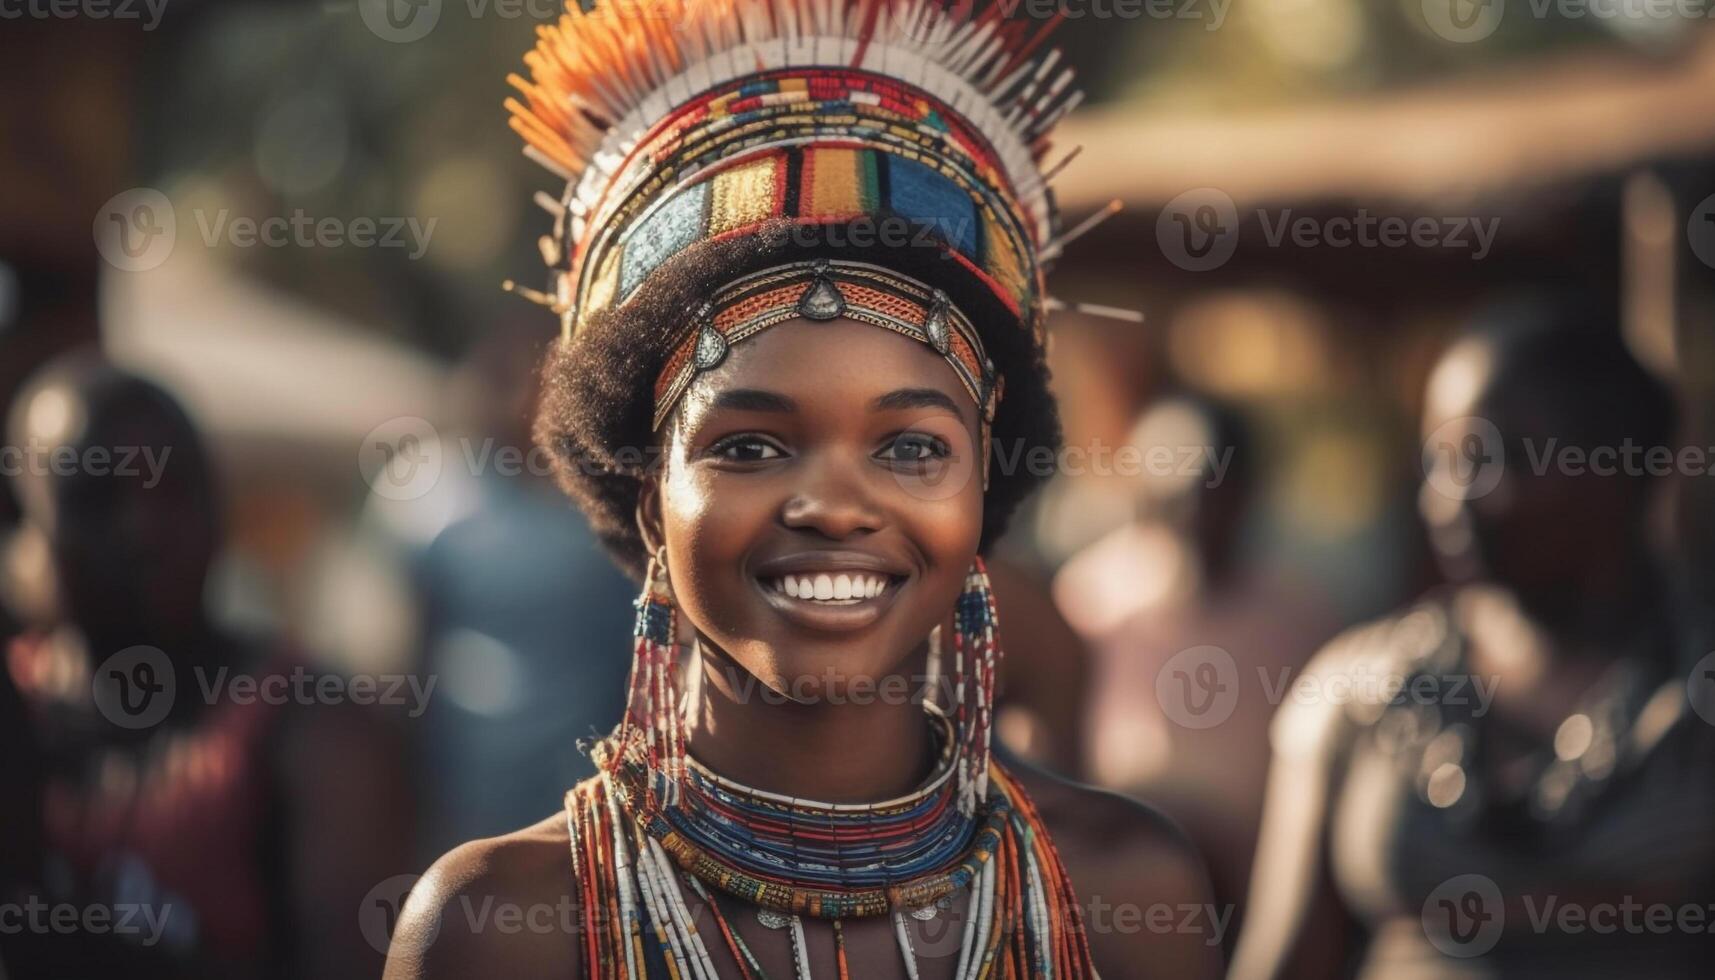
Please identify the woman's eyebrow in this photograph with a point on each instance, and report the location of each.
(917, 398)
(753, 400)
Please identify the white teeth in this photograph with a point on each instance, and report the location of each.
(832, 587)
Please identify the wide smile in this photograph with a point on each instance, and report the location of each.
(831, 599)
(831, 586)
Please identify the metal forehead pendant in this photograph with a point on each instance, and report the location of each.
(936, 325)
(821, 299)
(711, 344)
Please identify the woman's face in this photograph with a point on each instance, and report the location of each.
(819, 459)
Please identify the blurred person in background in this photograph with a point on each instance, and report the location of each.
(250, 827)
(523, 620)
(1170, 594)
(1043, 690)
(1519, 741)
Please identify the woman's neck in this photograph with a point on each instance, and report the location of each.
(862, 745)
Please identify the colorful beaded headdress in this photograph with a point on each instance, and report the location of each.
(675, 122)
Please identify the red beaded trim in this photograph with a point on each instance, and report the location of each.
(871, 295)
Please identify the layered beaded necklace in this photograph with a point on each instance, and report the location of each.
(636, 856)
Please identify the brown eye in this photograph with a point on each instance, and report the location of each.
(745, 449)
(916, 447)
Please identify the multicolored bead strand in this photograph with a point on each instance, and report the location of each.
(976, 657)
(1022, 917)
(652, 714)
(842, 967)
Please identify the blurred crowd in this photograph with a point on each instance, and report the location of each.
(1383, 572)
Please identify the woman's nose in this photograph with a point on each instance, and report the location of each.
(832, 499)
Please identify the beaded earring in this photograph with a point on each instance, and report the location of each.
(976, 656)
(652, 701)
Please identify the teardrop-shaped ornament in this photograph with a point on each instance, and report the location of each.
(936, 325)
(711, 348)
(821, 299)
(711, 343)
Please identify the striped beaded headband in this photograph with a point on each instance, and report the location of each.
(827, 289)
(675, 122)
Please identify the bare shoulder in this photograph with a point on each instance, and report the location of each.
(1348, 684)
(1141, 883)
(504, 906)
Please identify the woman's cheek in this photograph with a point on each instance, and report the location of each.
(946, 526)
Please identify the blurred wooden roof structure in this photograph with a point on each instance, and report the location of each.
(1534, 124)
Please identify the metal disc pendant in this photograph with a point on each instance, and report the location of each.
(771, 919)
(711, 348)
(936, 325)
(822, 299)
(925, 913)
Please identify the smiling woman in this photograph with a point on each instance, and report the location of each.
(806, 500)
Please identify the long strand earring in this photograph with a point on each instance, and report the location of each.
(651, 706)
(976, 658)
